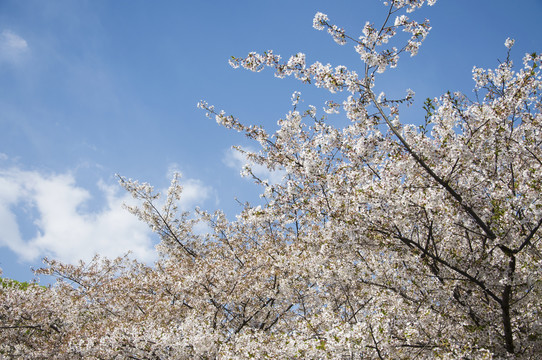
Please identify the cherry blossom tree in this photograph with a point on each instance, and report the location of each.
(384, 239)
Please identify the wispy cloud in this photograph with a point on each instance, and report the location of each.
(237, 160)
(12, 46)
(64, 230)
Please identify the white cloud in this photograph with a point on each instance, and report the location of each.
(194, 193)
(12, 46)
(237, 160)
(63, 229)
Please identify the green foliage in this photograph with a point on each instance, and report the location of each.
(10, 283)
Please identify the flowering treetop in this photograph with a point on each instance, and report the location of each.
(384, 239)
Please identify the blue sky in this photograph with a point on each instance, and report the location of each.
(94, 88)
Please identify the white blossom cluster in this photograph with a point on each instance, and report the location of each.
(384, 240)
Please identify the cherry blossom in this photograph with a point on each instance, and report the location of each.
(384, 239)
